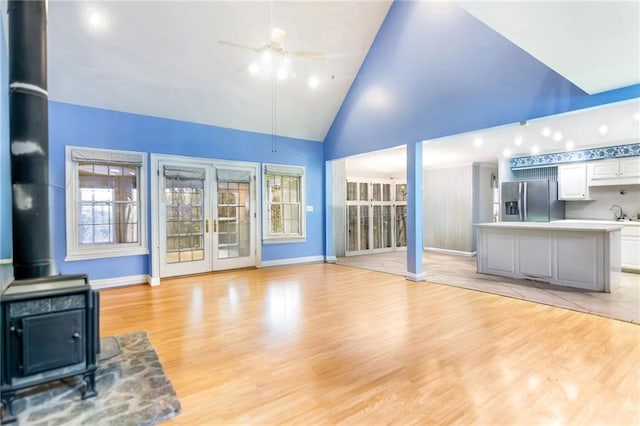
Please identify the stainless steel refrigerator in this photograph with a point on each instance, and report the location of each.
(531, 201)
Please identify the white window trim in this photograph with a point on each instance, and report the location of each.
(74, 251)
(284, 238)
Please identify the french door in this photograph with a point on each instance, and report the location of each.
(207, 216)
(376, 216)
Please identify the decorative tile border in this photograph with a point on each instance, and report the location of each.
(629, 150)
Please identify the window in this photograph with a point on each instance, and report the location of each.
(106, 211)
(284, 203)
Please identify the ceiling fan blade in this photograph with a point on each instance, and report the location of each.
(241, 46)
(314, 56)
(277, 37)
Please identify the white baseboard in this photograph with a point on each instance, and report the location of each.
(291, 261)
(119, 281)
(331, 259)
(456, 252)
(8, 260)
(153, 281)
(416, 277)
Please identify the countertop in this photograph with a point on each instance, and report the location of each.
(560, 225)
(614, 222)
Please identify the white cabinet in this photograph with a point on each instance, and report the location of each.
(614, 172)
(577, 260)
(498, 242)
(631, 248)
(535, 255)
(572, 182)
(608, 169)
(630, 167)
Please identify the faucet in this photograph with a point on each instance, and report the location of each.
(621, 214)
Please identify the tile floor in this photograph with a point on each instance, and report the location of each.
(460, 271)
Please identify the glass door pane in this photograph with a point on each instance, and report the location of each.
(377, 227)
(364, 191)
(386, 227)
(185, 245)
(352, 191)
(376, 195)
(401, 192)
(233, 225)
(352, 228)
(386, 192)
(401, 226)
(364, 227)
(184, 220)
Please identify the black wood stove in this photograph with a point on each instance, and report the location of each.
(49, 322)
(49, 332)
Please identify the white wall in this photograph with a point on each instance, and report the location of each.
(602, 198)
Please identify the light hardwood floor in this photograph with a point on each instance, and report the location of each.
(328, 344)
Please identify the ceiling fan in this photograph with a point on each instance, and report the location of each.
(276, 46)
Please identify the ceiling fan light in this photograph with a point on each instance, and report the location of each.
(282, 74)
(313, 82)
(254, 68)
(266, 57)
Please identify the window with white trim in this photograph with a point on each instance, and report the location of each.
(283, 191)
(106, 203)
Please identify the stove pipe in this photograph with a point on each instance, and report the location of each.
(29, 138)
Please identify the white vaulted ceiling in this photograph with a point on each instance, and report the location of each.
(163, 58)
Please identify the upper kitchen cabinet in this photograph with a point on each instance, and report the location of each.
(624, 171)
(572, 182)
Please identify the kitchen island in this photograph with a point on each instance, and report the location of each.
(573, 254)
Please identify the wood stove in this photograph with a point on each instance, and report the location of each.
(50, 332)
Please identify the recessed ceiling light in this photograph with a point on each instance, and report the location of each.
(557, 136)
(603, 129)
(477, 142)
(313, 82)
(518, 140)
(506, 153)
(569, 145)
(254, 69)
(535, 149)
(96, 20)
(546, 132)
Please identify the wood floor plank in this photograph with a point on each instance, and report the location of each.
(328, 344)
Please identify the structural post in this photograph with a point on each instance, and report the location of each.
(414, 212)
(329, 252)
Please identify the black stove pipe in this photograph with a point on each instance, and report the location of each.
(29, 138)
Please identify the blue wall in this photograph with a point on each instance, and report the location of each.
(6, 250)
(435, 70)
(98, 128)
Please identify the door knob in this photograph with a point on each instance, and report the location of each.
(76, 335)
